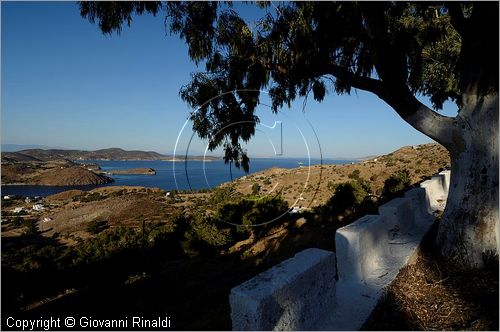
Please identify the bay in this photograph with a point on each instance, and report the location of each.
(190, 175)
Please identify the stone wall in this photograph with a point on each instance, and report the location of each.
(302, 293)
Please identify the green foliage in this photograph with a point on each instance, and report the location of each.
(221, 195)
(393, 49)
(7, 202)
(207, 231)
(267, 182)
(117, 193)
(96, 226)
(365, 184)
(396, 184)
(29, 258)
(158, 235)
(331, 186)
(264, 210)
(104, 245)
(255, 189)
(204, 235)
(31, 227)
(348, 202)
(347, 196)
(91, 197)
(17, 221)
(248, 213)
(354, 175)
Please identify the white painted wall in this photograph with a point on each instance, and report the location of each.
(301, 294)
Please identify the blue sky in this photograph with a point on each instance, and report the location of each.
(65, 84)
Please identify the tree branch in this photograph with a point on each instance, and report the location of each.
(359, 82)
(458, 21)
(391, 66)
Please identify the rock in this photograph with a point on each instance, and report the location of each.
(300, 222)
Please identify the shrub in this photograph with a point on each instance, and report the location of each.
(354, 175)
(255, 189)
(347, 196)
(374, 177)
(249, 212)
(396, 184)
(267, 182)
(203, 235)
(91, 197)
(117, 193)
(222, 195)
(351, 193)
(265, 209)
(96, 226)
(31, 227)
(347, 202)
(365, 184)
(104, 245)
(160, 234)
(17, 221)
(7, 203)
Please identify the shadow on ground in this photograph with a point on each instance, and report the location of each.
(432, 295)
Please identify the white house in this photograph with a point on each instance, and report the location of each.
(19, 209)
(295, 210)
(38, 207)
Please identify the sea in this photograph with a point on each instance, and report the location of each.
(186, 176)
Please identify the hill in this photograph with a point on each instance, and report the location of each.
(71, 176)
(312, 186)
(127, 249)
(50, 173)
(103, 154)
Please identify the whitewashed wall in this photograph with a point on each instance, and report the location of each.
(301, 293)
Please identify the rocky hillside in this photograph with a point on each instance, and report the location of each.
(309, 187)
(71, 176)
(51, 174)
(103, 154)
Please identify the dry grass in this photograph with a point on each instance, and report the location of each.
(432, 295)
(314, 184)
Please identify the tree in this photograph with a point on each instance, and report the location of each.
(396, 184)
(396, 50)
(347, 196)
(255, 189)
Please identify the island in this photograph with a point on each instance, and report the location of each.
(133, 171)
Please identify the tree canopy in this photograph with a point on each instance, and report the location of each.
(395, 50)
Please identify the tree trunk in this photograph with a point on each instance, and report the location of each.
(468, 232)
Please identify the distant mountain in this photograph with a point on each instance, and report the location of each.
(19, 147)
(103, 154)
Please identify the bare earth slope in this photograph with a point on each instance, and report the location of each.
(71, 176)
(315, 184)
